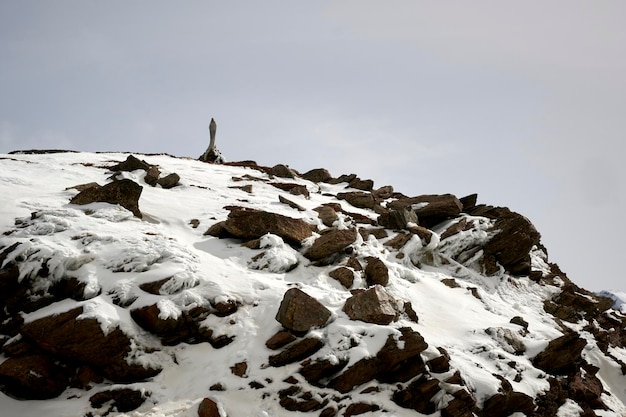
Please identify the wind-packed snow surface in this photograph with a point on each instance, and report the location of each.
(113, 253)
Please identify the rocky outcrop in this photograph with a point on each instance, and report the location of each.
(331, 243)
(430, 209)
(124, 192)
(374, 305)
(562, 355)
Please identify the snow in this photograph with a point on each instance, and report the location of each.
(113, 252)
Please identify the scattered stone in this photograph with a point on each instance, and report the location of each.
(154, 287)
(32, 377)
(359, 184)
(456, 227)
(317, 175)
(279, 340)
(418, 395)
(359, 373)
(246, 188)
(342, 178)
(290, 203)
(358, 199)
(124, 192)
(450, 282)
(296, 352)
(354, 263)
(299, 312)
(378, 233)
(374, 305)
(239, 369)
(376, 272)
(293, 399)
(169, 181)
(440, 364)
(330, 244)
(208, 408)
(360, 408)
(152, 176)
(252, 224)
(327, 215)
(121, 400)
(520, 322)
(314, 371)
(132, 163)
(383, 193)
(397, 219)
(411, 314)
(283, 171)
(430, 209)
(194, 223)
(344, 275)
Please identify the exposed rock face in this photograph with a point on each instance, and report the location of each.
(430, 209)
(562, 354)
(299, 312)
(82, 340)
(327, 215)
(297, 351)
(397, 219)
(252, 224)
(124, 192)
(33, 377)
(121, 400)
(374, 305)
(331, 243)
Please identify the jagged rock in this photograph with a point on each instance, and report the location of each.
(418, 394)
(316, 370)
(121, 400)
(152, 176)
(383, 193)
(411, 314)
(225, 307)
(239, 369)
(342, 178)
(290, 203)
(208, 408)
(512, 243)
(169, 181)
(399, 240)
(430, 209)
(344, 275)
(295, 189)
(279, 340)
(359, 184)
(327, 215)
(360, 408)
(154, 287)
(32, 377)
(378, 233)
(507, 402)
(462, 405)
(131, 163)
(440, 364)
(124, 192)
(358, 199)
(317, 175)
(376, 272)
(217, 230)
(171, 330)
(397, 219)
(562, 354)
(585, 387)
(520, 322)
(330, 243)
(83, 341)
(574, 304)
(399, 359)
(283, 171)
(293, 399)
(354, 263)
(374, 305)
(468, 202)
(296, 351)
(299, 312)
(359, 373)
(455, 228)
(252, 224)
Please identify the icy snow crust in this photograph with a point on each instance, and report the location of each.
(113, 252)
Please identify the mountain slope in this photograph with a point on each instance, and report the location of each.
(250, 291)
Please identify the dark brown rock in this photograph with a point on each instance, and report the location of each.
(171, 330)
(239, 369)
(359, 373)
(131, 163)
(507, 403)
(315, 371)
(378, 233)
(418, 394)
(585, 388)
(208, 408)
(454, 228)
(342, 178)
(296, 351)
(358, 199)
(152, 176)
(330, 244)
(327, 215)
(169, 181)
(317, 175)
(83, 341)
(344, 275)
(294, 399)
(81, 187)
(252, 224)
(299, 312)
(430, 209)
(291, 188)
(32, 377)
(374, 305)
(468, 202)
(376, 272)
(355, 409)
(399, 359)
(124, 192)
(217, 230)
(279, 340)
(359, 184)
(397, 219)
(290, 203)
(154, 287)
(562, 355)
(383, 193)
(121, 400)
(283, 171)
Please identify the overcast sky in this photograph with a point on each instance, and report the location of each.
(523, 103)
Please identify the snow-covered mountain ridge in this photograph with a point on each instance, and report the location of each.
(240, 290)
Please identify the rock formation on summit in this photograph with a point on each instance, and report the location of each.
(212, 154)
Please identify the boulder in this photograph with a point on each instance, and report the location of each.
(317, 175)
(418, 395)
(360, 408)
(331, 243)
(562, 355)
(399, 359)
(359, 373)
(383, 193)
(283, 171)
(252, 224)
(290, 203)
(430, 209)
(359, 184)
(374, 305)
(279, 340)
(33, 377)
(344, 275)
(124, 192)
(291, 188)
(327, 215)
(208, 408)
(131, 163)
(507, 402)
(358, 199)
(376, 272)
(314, 371)
(83, 341)
(152, 176)
(299, 312)
(121, 400)
(169, 181)
(397, 219)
